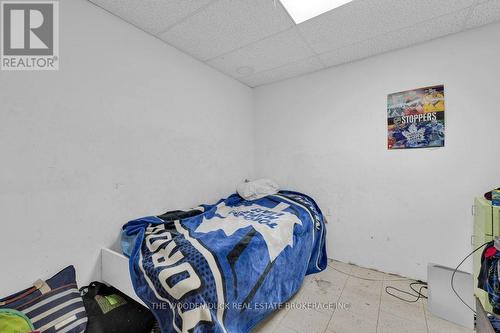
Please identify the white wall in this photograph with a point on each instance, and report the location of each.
(325, 134)
(127, 127)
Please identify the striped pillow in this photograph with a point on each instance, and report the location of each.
(53, 306)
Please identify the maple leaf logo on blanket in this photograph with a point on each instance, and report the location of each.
(274, 224)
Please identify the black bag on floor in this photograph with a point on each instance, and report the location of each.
(111, 311)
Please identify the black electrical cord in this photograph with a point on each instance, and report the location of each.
(456, 270)
(417, 293)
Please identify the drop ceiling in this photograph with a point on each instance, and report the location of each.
(257, 42)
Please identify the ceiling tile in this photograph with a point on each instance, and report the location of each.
(365, 19)
(485, 13)
(227, 25)
(274, 51)
(152, 15)
(415, 34)
(294, 69)
(258, 43)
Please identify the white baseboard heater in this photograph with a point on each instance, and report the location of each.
(442, 300)
(115, 272)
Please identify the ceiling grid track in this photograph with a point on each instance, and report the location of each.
(185, 18)
(316, 55)
(246, 45)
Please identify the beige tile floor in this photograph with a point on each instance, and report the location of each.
(362, 306)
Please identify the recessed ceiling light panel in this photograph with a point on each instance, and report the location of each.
(303, 10)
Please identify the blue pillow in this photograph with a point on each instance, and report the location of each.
(54, 305)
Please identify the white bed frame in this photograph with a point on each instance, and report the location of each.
(115, 272)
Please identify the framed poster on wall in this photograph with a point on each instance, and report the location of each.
(415, 118)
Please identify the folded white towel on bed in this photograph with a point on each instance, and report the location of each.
(257, 189)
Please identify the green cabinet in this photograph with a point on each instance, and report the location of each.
(486, 227)
(495, 211)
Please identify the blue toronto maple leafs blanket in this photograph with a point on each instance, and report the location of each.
(228, 266)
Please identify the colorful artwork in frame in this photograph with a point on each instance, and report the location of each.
(415, 118)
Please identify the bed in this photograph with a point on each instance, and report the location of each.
(115, 272)
(222, 267)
